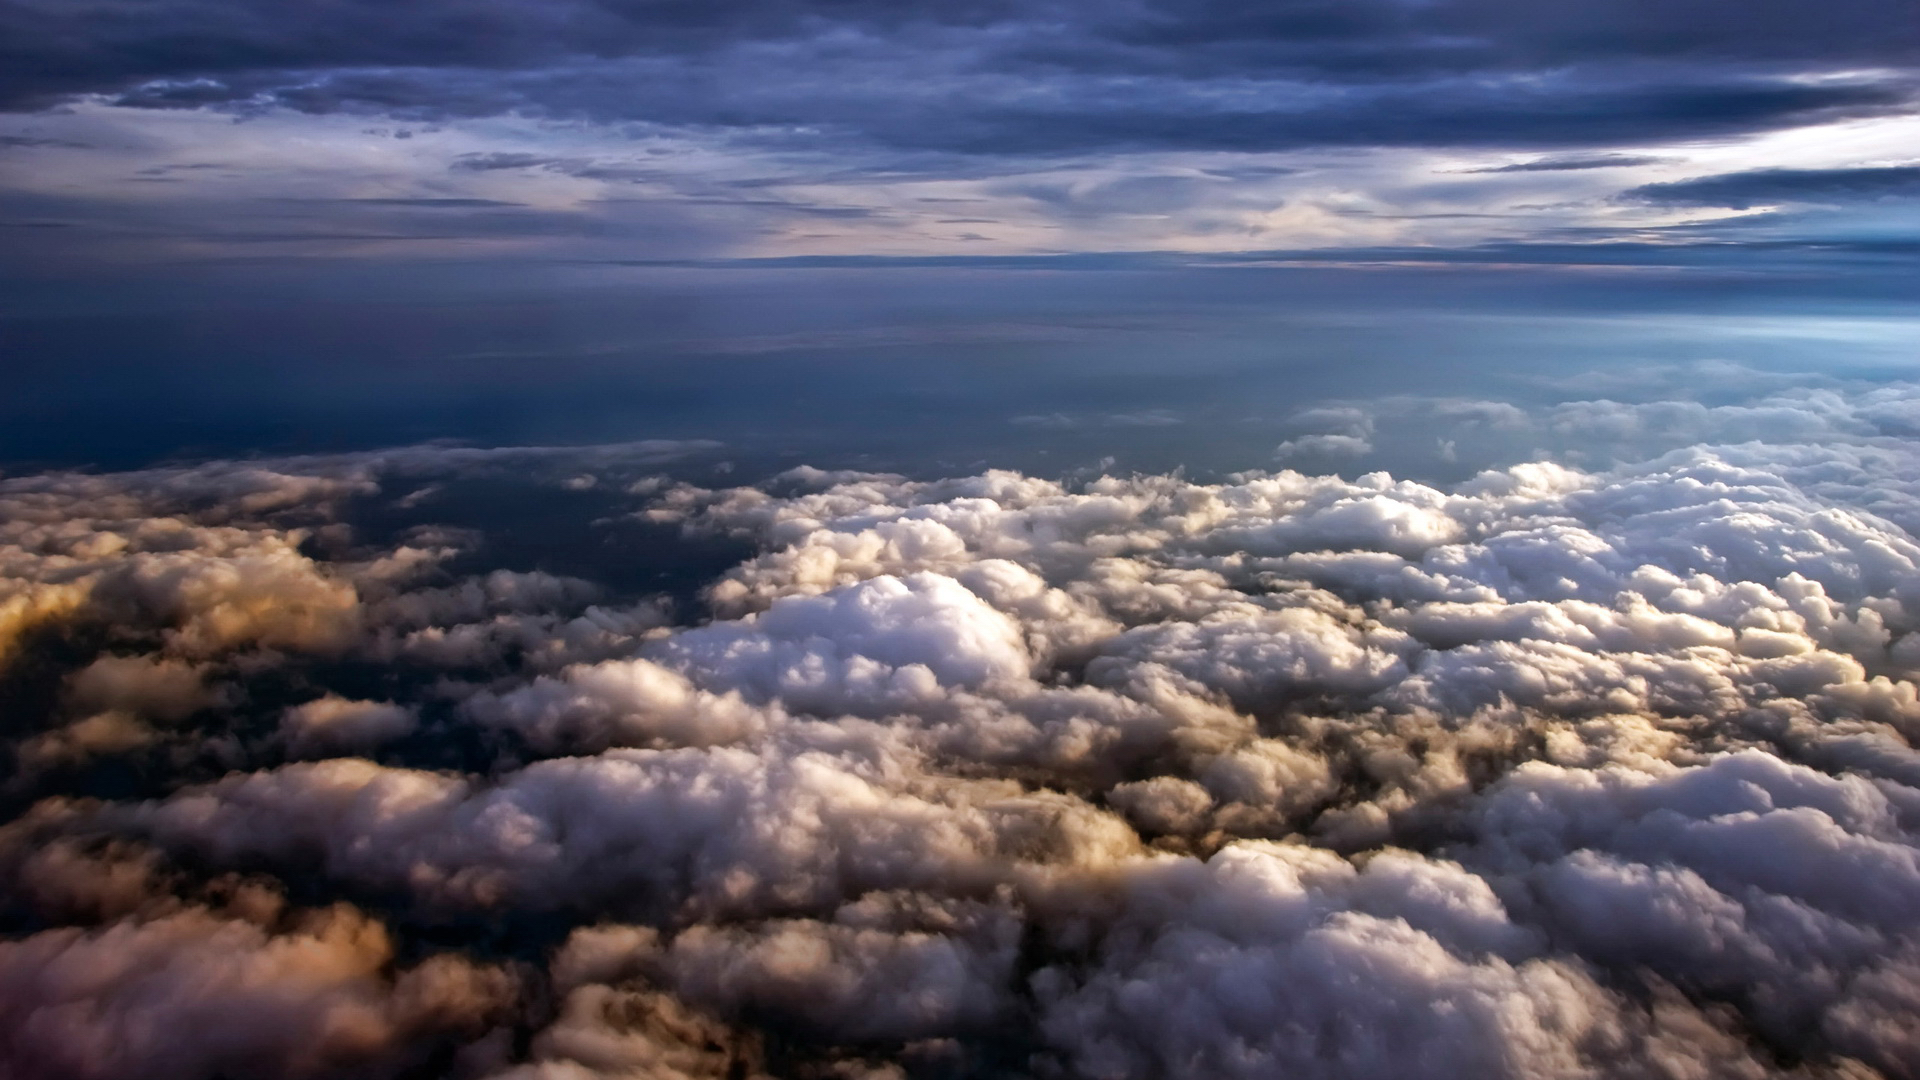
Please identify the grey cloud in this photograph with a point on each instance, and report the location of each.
(498, 160)
(1148, 418)
(1572, 164)
(432, 204)
(1067, 79)
(35, 142)
(1328, 432)
(1744, 190)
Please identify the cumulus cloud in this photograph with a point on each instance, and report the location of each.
(338, 724)
(1557, 771)
(1324, 446)
(196, 994)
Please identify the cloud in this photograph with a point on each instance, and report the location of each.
(438, 204)
(1553, 771)
(166, 689)
(31, 142)
(1147, 418)
(338, 724)
(568, 133)
(1328, 432)
(1572, 164)
(1269, 960)
(314, 1000)
(1745, 190)
(1324, 446)
(1076, 77)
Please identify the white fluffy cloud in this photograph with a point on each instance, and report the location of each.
(1556, 772)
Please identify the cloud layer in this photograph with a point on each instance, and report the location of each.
(1556, 772)
(1037, 79)
(603, 131)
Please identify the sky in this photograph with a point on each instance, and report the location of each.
(562, 131)
(460, 210)
(832, 540)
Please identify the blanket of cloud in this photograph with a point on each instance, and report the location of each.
(1600, 771)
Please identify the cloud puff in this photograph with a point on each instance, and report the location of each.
(1324, 446)
(338, 724)
(195, 994)
(1266, 961)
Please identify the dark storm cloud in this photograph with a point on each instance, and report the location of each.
(1742, 190)
(1000, 78)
